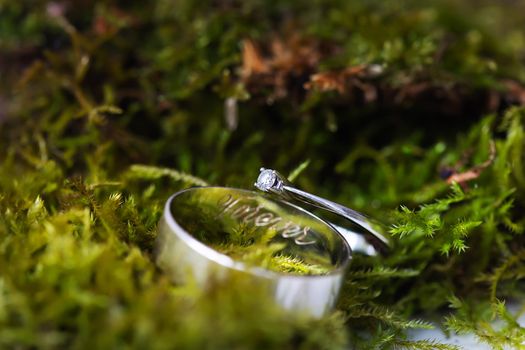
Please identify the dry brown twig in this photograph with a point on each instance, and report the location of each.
(462, 178)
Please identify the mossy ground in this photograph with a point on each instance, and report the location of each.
(411, 112)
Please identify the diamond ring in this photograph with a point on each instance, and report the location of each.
(370, 240)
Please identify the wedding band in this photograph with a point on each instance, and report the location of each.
(306, 256)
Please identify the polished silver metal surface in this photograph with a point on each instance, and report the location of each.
(182, 250)
(368, 238)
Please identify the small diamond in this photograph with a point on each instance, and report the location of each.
(266, 180)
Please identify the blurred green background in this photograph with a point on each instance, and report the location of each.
(408, 111)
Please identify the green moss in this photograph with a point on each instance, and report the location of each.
(257, 251)
(91, 92)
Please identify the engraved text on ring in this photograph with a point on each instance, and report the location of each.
(263, 218)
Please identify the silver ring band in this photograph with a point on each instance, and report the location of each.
(184, 256)
(369, 237)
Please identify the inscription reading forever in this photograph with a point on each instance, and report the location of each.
(264, 218)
